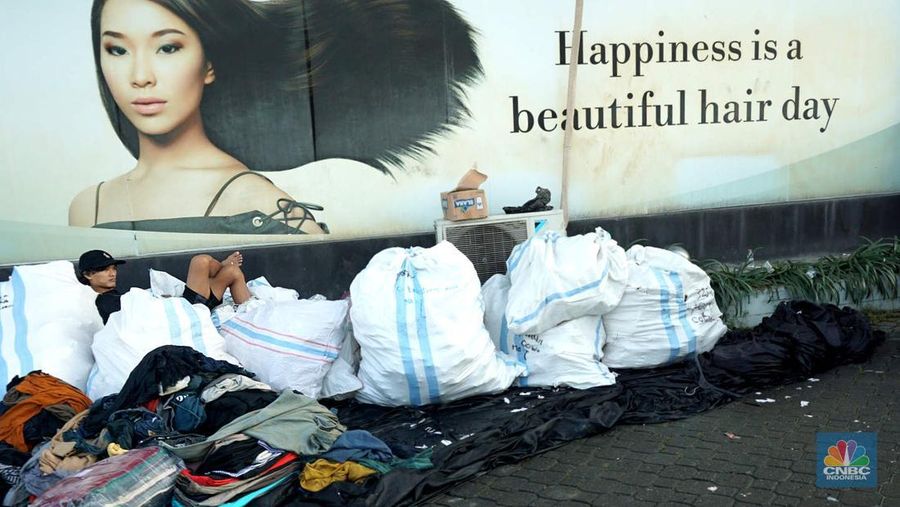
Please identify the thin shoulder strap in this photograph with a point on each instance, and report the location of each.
(97, 202)
(215, 199)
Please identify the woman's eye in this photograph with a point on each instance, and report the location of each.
(168, 49)
(116, 50)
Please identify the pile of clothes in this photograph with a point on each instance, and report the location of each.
(185, 429)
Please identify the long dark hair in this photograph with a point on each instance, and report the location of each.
(369, 80)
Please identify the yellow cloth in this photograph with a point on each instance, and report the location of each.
(319, 474)
(114, 449)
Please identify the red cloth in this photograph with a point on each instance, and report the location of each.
(45, 390)
(205, 480)
(152, 404)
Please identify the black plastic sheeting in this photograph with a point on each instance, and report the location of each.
(477, 434)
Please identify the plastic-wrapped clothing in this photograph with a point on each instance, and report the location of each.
(162, 367)
(43, 390)
(319, 474)
(292, 422)
(355, 445)
(138, 477)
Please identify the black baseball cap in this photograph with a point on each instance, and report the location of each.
(95, 260)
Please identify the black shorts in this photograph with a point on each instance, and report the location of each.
(210, 301)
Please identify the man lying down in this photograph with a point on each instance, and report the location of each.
(207, 280)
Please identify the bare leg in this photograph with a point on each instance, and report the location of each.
(201, 270)
(231, 277)
(207, 276)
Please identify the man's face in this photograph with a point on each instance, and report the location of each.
(103, 280)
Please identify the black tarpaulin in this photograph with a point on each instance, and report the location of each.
(477, 434)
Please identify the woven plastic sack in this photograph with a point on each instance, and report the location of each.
(556, 278)
(668, 312)
(566, 355)
(144, 323)
(289, 344)
(47, 322)
(417, 315)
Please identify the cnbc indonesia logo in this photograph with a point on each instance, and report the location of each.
(846, 461)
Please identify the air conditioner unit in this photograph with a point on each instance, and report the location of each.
(487, 242)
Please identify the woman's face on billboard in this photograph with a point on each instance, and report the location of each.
(154, 65)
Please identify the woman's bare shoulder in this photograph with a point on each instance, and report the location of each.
(257, 193)
(83, 207)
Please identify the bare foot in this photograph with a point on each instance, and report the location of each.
(236, 258)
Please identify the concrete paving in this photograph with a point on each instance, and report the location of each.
(769, 459)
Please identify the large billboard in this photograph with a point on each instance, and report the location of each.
(143, 126)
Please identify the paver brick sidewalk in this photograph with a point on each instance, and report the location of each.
(693, 462)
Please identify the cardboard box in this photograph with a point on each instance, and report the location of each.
(464, 204)
(466, 201)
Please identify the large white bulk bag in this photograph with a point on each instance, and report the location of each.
(289, 344)
(144, 323)
(566, 355)
(555, 278)
(47, 322)
(668, 312)
(417, 315)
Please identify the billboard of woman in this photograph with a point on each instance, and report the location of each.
(228, 123)
(208, 95)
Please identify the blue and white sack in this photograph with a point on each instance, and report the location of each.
(555, 278)
(418, 315)
(566, 355)
(144, 323)
(289, 344)
(47, 322)
(668, 312)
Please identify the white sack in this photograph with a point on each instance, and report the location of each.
(417, 315)
(288, 344)
(556, 278)
(47, 322)
(668, 312)
(261, 291)
(144, 323)
(163, 284)
(566, 355)
(261, 288)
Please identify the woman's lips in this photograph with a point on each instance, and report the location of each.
(148, 106)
